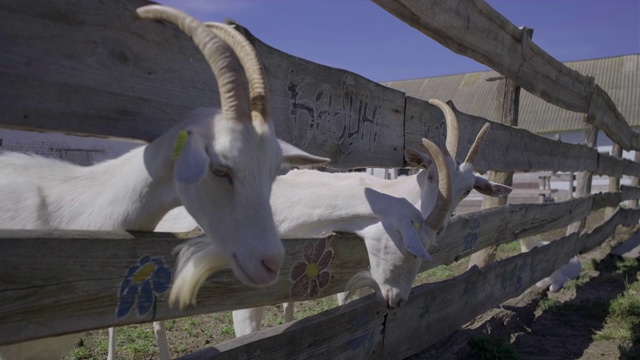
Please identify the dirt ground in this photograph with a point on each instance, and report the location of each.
(540, 325)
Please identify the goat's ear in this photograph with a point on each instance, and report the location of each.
(411, 237)
(417, 158)
(192, 160)
(294, 156)
(490, 188)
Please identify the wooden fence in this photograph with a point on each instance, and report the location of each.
(86, 67)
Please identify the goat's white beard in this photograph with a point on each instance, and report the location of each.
(198, 259)
(360, 280)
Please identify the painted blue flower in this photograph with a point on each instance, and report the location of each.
(141, 285)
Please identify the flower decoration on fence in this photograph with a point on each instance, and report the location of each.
(141, 286)
(312, 274)
(472, 235)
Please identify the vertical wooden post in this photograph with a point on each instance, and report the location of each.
(583, 179)
(614, 182)
(635, 181)
(508, 100)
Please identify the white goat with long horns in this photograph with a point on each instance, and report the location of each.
(416, 189)
(218, 164)
(299, 213)
(395, 232)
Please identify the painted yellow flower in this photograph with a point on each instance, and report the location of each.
(312, 275)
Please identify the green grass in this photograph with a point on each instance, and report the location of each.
(623, 323)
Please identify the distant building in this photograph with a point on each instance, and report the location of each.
(619, 76)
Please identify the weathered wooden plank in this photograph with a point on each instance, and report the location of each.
(475, 29)
(630, 192)
(525, 150)
(354, 331)
(436, 310)
(433, 311)
(81, 273)
(339, 114)
(58, 282)
(89, 67)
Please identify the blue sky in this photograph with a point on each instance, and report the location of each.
(359, 36)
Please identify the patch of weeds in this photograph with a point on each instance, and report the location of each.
(438, 273)
(485, 348)
(507, 250)
(227, 330)
(79, 353)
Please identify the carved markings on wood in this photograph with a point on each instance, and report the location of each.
(332, 112)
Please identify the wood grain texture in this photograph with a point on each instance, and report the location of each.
(474, 29)
(339, 114)
(57, 282)
(508, 148)
(89, 67)
(432, 312)
(354, 331)
(435, 310)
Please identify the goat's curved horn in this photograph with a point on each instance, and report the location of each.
(248, 57)
(443, 202)
(451, 122)
(475, 147)
(224, 64)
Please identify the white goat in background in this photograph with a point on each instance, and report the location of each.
(311, 204)
(218, 164)
(558, 278)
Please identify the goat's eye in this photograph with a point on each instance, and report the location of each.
(222, 173)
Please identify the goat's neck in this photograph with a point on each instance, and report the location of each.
(413, 188)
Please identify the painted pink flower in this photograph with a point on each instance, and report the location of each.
(311, 275)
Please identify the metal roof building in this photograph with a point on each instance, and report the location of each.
(619, 76)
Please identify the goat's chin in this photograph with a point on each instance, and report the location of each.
(361, 280)
(198, 259)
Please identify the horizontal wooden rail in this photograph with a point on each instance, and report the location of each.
(142, 77)
(363, 330)
(474, 29)
(508, 148)
(71, 281)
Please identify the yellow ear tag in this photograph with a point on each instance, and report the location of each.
(180, 143)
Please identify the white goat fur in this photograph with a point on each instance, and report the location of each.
(223, 177)
(558, 278)
(314, 204)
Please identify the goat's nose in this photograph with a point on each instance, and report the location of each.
(272, 264)
(394, 299)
